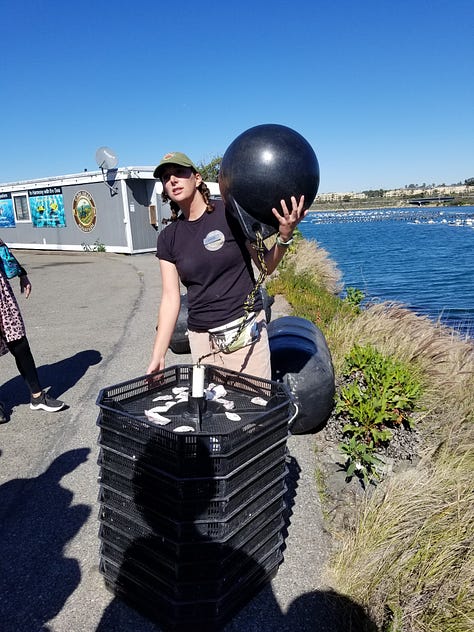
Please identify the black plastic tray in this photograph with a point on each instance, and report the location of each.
(179, 556)
(184, 613)
(123, 473)
(115, 507)
(207, 585)
(122, 413)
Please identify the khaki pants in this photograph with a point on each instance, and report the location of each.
(253, 360)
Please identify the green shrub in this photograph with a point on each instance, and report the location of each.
(354, 297)
(381, 393)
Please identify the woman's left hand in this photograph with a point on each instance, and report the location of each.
(25, 285)
(289, 219)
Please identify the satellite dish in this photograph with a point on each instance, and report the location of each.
(107, 161)
(106, 158)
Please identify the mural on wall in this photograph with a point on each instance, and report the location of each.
(84, 211)
(47, 207)
(7, 217)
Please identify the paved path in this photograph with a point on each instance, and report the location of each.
(90, 321)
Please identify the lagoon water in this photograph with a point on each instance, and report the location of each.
(427, 263)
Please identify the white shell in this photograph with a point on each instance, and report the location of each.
(163, 408)
(228, 405)
(233, 416)
(184, 429)
(214, 391)
(259, 401)
(180, 389)
(156, 417)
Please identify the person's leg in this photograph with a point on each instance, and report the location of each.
(20, 349)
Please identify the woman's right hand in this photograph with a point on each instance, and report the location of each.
(156, 365)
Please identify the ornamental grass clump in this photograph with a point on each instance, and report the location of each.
(409, 560)
(407, 557)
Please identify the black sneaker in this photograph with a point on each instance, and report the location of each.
(3, 414)
(45, 402)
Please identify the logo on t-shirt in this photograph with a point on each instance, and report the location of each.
(214, 240)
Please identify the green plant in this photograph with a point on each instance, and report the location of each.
(367, 414)
(210, 171)
(97, 246)
(354, 297)
(361, 461)
(381, 393)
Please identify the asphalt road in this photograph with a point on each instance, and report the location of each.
(90, 322)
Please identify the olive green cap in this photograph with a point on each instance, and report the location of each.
(174, 158)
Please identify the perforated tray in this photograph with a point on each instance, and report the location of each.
(141, 590)
(123, 473)
(210, 584)
(182, 557)
(123, 421)
(114, 505)
(148, 498)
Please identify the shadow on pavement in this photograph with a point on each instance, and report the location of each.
(37, 522)
(317, 611)
(61, 376)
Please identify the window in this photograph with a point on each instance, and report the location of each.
(22, 208)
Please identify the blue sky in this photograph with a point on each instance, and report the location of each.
(382, 90)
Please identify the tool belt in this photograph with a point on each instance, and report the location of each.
(237, 334)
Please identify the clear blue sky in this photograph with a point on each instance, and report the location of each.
(382, 89)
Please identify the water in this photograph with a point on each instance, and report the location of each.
(426, 264)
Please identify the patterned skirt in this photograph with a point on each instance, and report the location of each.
(12, 326)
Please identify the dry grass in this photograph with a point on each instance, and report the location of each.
(310, 282)
(312, 260)
(409, 560)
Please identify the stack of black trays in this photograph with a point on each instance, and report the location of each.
(191, 521)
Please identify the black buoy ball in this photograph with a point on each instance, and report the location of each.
(266, 164)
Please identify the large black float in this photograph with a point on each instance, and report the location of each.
(301, 359)
(262, 166)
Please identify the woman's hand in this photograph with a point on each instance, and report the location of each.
(25, 285)
(156, 365)
(289, 219)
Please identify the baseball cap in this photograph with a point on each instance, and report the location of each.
(174, 158)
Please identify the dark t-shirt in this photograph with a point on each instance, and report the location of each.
(213, 264)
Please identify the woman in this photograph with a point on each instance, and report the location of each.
(205, 249)
(13, 338)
